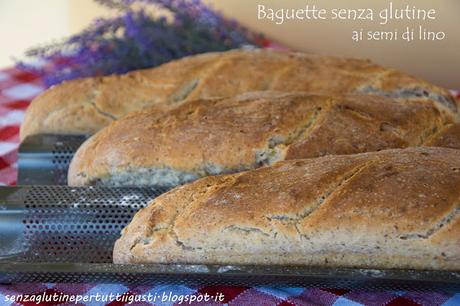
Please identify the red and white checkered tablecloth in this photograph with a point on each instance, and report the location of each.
(17, 88)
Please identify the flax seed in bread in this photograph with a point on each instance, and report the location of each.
(224, 135)
(391, 209)
(87, 105)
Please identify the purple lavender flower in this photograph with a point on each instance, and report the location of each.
(135, 40)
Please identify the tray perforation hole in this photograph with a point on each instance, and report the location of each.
(66, 224)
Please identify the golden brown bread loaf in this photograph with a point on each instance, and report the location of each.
(87, 105)
(448, 137)
(225, 135)
(391, 209)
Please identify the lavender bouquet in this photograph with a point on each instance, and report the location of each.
(136, 39)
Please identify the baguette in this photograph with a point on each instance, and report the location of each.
(390, 209)
(85, 106)
(225, 135)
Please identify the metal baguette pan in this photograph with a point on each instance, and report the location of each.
(64, 234)
(44, 159)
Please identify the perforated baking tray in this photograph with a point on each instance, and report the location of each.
(44, 159)
(64, 234)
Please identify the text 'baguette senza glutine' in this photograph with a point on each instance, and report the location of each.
(85, 106)
(226, 135)
(391, 209)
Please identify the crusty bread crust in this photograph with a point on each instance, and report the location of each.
(87, 105)
(225, 135)
(448, 137)
(389, 209)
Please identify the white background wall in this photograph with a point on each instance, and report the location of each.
(25, 23)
